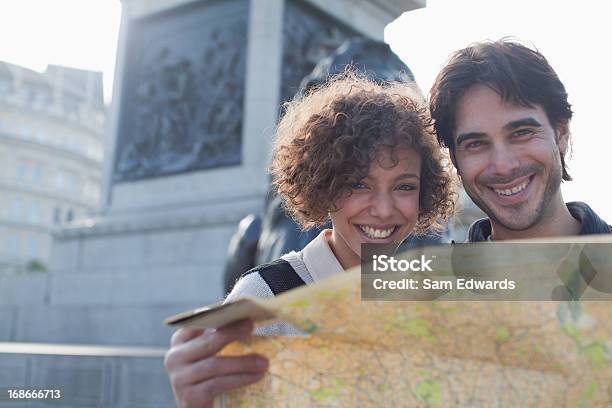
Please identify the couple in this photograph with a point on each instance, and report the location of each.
(363, 156)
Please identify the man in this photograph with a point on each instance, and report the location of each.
(503, 114)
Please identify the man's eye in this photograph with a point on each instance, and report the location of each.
(406, 187)
(522, 132)
(474, 145)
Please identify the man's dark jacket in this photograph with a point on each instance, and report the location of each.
(590, 223)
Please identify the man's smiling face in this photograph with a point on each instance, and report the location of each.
(508, 157)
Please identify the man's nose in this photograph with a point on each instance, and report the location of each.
(504, 160)
(381, 205)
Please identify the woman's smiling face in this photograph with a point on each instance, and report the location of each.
(382, 208)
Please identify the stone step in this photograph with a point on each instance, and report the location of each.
(109, 325)
(86, 375)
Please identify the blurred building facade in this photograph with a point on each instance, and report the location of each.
(51, 152)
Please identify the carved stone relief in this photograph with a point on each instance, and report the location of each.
(183, 92)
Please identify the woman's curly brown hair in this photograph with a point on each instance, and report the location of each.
(329, 137)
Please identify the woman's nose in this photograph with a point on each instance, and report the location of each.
(381, 205)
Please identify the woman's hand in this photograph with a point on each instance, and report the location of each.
(197, 375)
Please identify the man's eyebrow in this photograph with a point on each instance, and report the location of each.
(522, 122)
(508, 126)
(467, 136)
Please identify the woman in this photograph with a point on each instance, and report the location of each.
(354, 152)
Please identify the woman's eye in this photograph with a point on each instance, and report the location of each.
(358, 186)
(406, 187)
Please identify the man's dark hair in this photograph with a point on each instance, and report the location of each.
(517, 73)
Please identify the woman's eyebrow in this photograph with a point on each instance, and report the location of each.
(407, 175)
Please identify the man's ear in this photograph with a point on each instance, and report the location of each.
(562, 136)
(451, 151)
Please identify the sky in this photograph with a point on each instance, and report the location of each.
(75, 33)
(573, 35)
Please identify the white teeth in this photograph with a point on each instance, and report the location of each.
(376, 233)
(514, 190)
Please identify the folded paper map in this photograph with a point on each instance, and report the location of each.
(422, 353)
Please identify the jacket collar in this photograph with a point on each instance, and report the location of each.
(590, 222)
